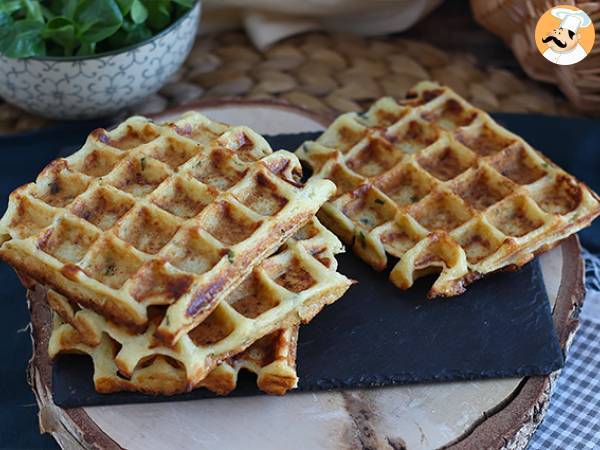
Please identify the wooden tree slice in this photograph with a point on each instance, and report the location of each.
(501, 413)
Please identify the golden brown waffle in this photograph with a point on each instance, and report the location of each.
(174, 214)
(271, 358)
(440, 185)
(287, 288)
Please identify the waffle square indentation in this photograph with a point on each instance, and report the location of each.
(147, 229)
(516, 216)
(517, 164)
(374, 156)
(561, 196)
(440, 211)
(102, 206)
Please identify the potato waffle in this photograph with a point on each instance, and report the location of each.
(285, 289)
(176, 214)
(440, 185)
(270, 358)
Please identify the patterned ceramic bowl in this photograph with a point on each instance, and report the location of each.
(86, 87)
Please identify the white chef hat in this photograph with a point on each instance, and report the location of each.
(570, 19)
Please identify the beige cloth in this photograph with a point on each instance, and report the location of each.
(268, 21)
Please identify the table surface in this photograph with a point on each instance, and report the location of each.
(572, 420)
(17, 405)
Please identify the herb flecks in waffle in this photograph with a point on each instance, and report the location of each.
(259, 319)
(440, 185)
(176, 214)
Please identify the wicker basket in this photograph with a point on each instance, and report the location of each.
(515, 20)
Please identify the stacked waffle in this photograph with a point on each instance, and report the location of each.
(176, 255)
(438, 184)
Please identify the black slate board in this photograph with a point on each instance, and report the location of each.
(377, 335)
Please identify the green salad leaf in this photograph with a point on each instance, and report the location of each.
(23, 38)
(159, 13)
(82, 27)
(139, 13)
(61, 30)
(125, 6)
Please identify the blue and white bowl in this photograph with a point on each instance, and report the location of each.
(96, 86)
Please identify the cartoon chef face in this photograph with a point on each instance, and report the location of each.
(561, 39)
(564, 41)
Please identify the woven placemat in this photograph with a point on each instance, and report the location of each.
(329, 73)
